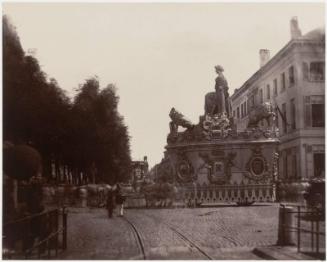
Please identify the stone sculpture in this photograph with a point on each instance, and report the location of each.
(217, 103)
(178, 119)
(264, 111)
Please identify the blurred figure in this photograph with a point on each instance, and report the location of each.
(110, 203)
(120, 199)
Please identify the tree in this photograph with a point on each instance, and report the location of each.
(74, 137)
(104, 137)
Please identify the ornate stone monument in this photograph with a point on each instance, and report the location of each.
(213, 162)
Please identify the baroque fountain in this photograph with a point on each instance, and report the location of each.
(213, 162)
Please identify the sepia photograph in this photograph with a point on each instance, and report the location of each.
(179, 130)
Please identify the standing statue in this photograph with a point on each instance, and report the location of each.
(217, 103)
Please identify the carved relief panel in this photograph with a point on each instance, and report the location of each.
(184, 169)
(257, 166)
(218, 165)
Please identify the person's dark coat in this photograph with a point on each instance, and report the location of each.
(119, 197)
(110, 200)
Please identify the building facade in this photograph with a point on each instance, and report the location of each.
(139, 172)
(293, 81)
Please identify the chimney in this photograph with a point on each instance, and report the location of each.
(145, 159)
(295, 30)
(264, 56)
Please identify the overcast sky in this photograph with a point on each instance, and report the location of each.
(158, 55)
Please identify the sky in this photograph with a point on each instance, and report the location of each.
(159, 55)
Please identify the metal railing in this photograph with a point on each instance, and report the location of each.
(35, 237)
(302, 226)
(229, 193)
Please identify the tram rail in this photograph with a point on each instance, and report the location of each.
(138, 237)
(188, 241)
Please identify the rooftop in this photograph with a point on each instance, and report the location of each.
(315, 35)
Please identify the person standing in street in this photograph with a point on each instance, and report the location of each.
(120, 199)
(110, 203)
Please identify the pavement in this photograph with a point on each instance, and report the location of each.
(286, 253)
(220, 233)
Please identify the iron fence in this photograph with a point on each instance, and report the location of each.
(35, 237)
(304, 227)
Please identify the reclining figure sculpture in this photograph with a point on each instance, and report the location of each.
(178, 119)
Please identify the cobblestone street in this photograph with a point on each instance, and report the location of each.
(223, 232)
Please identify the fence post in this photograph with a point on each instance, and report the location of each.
(284, 224)
(317, 236)
(64, 233)
(56, 230)
(312, 236)
(298, 229)
(83, 194)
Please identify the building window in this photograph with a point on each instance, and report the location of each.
(250, 103)
(318, 115)
(242, 111)
(283, 82)
(314, 72)
(238, 112)
(285, 166)
(275, 87)
(233, 113)
(245, 109)
(319, 164)
(291, 76)
(293, 114)
(277, 119)
(285, 118)
(305, 71)
(317, 71)
(261, 96)
(248, 108)
(268, 91)
(314, 111)
(294, 165)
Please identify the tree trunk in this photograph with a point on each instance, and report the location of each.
(15, 193)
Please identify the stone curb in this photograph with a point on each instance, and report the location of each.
(281, 253)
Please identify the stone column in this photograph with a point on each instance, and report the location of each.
(285, 234)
